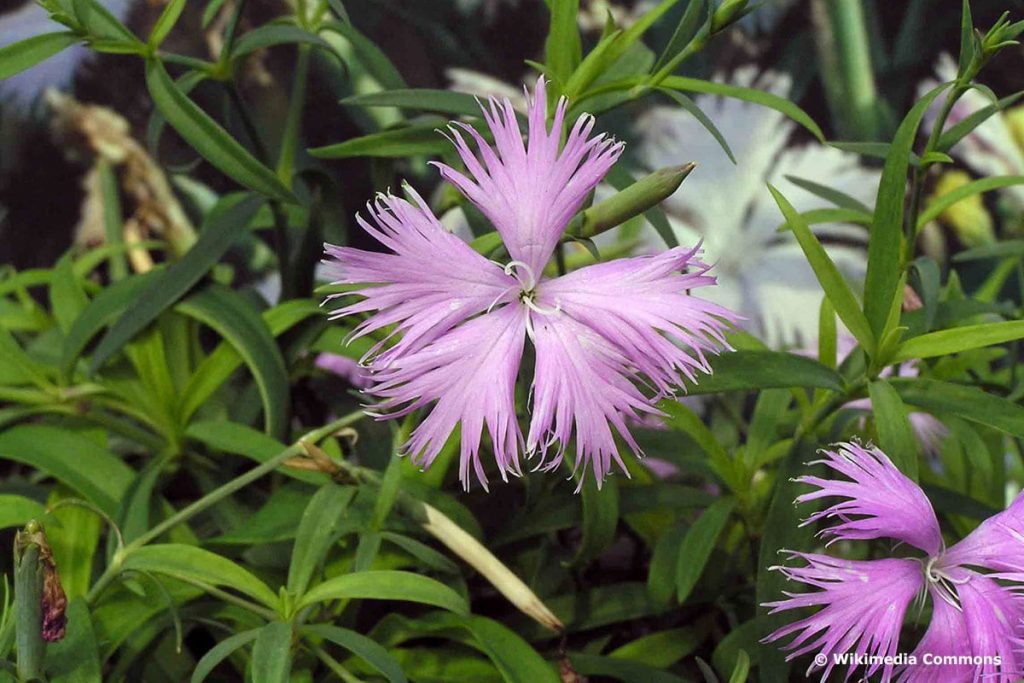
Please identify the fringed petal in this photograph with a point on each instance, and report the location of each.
(993, 617)
(945, 639)
(530, 191)
(582, 385)
(862, 608)
(469, 375)
(997, 544)
(429, 283)
(643, 307)
(879, 502)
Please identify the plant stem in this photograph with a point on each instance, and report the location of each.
(215, 496)
(290, 137)
(28, 613)
(850, 83)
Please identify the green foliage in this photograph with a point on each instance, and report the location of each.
(219, 505)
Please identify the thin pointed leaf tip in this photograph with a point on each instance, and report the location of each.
(451, 327)
(976, 632)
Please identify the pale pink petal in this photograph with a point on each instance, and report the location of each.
(530, 191)
(878, 502)
(946, 637)
(643, 307)
(469, 375)
(997, 544)
(993, 614)
(582, 385)
(862, 608)
(429, 283)
(344, 367)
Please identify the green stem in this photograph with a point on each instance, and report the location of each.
(28, 613)
(290, 137)
(217, 495)
(921, 172)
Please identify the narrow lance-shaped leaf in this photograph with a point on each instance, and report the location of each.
(831, 280)
(228, 220)
(697, 545)
(272, 653)
(25, 54)
(886, 236)
(233, 318)
(208, 138)
(895, 435)
(957, 339)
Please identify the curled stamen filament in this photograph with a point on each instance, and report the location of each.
(531, 282)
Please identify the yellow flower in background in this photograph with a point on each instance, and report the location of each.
(968, 217)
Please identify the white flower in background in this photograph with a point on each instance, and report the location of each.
(762, 274)
(24, 89)
(994, 148)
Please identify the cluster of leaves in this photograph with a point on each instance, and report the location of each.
(209, 518)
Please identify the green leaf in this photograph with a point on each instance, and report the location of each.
(410, 140)
(943, 202)
(690, 106)
(600, 501)
(964, 127)
(192, 564)
(886, 236)
(361, 646)
(100, 477)
(753, 370)
(661, 649)
(67, 298)
(681, 418)
(369, 55)
(970, 403)
(272, 654)
(831, 280)
(106, 308)
(221, 651)
(208, 138)
(271, 35)
(16, 511)
(782, 531)
(231, 437)
(779, 104)
(999, 250)
(386, 585)
(895, 435)
(75, 658)
(697, 545)
(562, 49)
(661, 574)
(684, 34)
(742, 668)
(422, 99)
(165, 23)
(222, 227)
(234, 319)
(510, 654)
(224, 360)
(17, 57)
(621, 670)
(957, 339)
(316, 529)
(837, 197)
(73, 538)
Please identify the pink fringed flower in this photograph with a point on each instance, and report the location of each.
(977, 628)
(454, 324)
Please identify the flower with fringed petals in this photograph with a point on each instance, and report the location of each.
(976, 632)
(452, 326)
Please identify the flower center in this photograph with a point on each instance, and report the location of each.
(523, 273)
(941, 581)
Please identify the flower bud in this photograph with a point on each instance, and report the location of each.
(632, 201)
